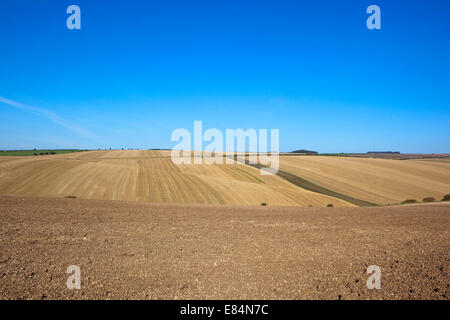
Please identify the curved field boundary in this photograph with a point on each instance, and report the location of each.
(308, 185)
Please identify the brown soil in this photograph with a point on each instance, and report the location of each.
(132, 250)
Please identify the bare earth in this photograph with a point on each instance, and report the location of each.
(171, 251)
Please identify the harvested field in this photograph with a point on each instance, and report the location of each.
(379, 181)
(402, 156)
(144, 175)
(166, 251)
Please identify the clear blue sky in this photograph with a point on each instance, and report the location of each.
(137, 70)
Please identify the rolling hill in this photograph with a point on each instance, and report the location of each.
(380, 181)
(147, 175)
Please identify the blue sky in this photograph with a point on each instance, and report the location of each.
(137, 70)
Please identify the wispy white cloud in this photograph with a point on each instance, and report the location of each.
(49, 115)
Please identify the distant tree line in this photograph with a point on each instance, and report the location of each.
(309, 152)
(385, 152)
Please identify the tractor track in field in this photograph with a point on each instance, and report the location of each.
(310, 186)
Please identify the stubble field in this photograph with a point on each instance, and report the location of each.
(144, 175)
(149, 175)
(380, 181)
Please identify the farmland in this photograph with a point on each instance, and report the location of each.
(144, 175)
(380, 181)
(140, 250)
(141, 227)
(150, 175)
(36, 152)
